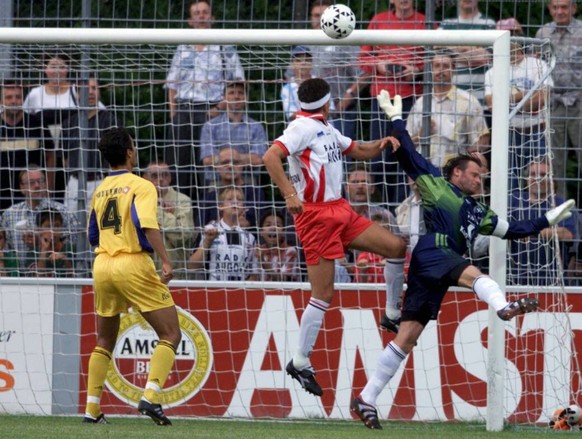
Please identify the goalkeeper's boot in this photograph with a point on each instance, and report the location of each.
(389, 324)
(101, 419)
(306, 378)
(367, 413)
(519, 307)
(154, 411)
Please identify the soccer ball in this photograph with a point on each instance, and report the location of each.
(566, 418)
(338, 21)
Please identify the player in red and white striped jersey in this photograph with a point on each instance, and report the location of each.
(325, 222)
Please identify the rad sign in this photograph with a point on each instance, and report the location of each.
(251, 335)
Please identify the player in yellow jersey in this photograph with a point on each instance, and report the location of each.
(124, 229)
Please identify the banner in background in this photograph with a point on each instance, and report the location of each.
(240, 341)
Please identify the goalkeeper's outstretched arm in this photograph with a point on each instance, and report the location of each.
(524, 228)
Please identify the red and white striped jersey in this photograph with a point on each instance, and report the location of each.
(315, 149)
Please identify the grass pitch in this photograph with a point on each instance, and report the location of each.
(67, 427)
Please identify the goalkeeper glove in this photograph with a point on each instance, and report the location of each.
(560, 213)
(392, 109)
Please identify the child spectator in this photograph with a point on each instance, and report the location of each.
(226, 251)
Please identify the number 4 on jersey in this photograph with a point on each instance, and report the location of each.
(110, 218)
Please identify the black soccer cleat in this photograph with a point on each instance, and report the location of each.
(367, 413)
(98, 420)
(154, 411)
(519, 307)
(306, 378)
(390, 325)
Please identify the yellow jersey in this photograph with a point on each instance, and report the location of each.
(122, 206)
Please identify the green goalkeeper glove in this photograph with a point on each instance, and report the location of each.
(392, 109)
(560, 213)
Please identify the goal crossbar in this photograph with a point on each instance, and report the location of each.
(248, 36)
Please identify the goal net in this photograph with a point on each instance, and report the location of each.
(201, 135)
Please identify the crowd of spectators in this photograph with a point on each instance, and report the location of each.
(217, 220)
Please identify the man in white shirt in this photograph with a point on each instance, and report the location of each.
(457, 121)
(324, 221)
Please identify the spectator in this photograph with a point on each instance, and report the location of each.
(395, 69)
(301, 68)
(54, 101)
(471, 62)
(23, 142)
(51, 254)
(195, 85)
(175, 218)
(229, 169)
(457, 121)
(527, 129)
(565, 34)
(19, 219)
(80, 150)
(360, 190)
(279, 259)
(338, 66)
(226, 251)
(233, 129)
(533, 260)
(8, 260)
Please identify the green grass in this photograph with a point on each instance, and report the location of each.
(61, 427)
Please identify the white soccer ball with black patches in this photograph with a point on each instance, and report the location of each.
(338, 21)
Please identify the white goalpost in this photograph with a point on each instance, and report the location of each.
(259, 318)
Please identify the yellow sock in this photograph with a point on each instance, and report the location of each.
(160, 367)
(98, 366)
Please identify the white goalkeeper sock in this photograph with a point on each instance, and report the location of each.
(489, 292)
(388, 364)
(309, 328)
(394, 275)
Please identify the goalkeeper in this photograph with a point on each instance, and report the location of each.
(453, 220)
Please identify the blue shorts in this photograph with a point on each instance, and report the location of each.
(432, 271)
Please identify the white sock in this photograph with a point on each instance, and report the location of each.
(308, 329)
(489, 292)
(388, 364)
(394, 275)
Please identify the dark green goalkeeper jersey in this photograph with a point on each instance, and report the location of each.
(453, 219)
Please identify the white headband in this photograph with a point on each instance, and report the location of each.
(315, 105)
